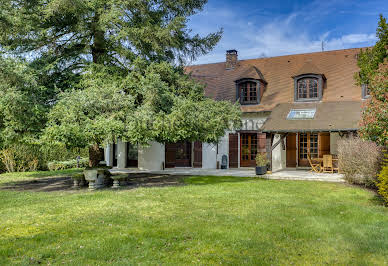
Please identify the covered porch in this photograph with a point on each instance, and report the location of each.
(301, 134)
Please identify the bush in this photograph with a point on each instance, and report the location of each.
(382, 183)
(55, 165)
(21, 157)
(359, 161)
(261, 159)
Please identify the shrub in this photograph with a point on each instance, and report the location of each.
(261, 159)
(56, 165)
(21, 157)
(359, 161)
(382, 183)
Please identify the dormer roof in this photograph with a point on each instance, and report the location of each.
(308, 68)
(251, 72)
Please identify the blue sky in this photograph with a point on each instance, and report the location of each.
(275, 27)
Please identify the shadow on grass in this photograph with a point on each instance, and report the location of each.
(378, 200)
(51, 181)
(210, 180)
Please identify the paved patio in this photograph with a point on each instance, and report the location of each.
(287, 174)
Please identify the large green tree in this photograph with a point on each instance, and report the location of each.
(119, 65)
(62, 37)
(23, 103)
(374, 74)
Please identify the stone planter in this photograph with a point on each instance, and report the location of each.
(78, 180)
(118, 180)
(261, 170)
(96, 177)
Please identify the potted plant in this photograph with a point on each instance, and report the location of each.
(261, 163)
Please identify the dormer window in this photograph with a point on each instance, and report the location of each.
(248, 92)
(308, 83)
(307, 88)
(250, 86)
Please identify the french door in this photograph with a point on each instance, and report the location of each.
(178, 154)
(248, 149)
(308, 143)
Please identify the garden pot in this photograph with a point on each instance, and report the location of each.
(261, 170)
(95, 176)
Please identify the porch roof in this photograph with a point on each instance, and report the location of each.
(329, 116)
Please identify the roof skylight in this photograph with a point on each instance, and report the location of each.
(298, 114)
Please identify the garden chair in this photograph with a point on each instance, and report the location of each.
(328, 164)
(315, 167)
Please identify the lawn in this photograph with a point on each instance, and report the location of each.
(209, 220)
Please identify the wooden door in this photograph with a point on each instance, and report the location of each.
(233, 150)
(132, 155)
(324, 144)
(197, 162)
(248, 148)
(183, 154)
(291, 150)
(170, 151)
(308, 143)
(178, 154)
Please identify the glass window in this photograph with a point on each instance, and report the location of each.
(307, 88)
(248, 92)
(296, 114)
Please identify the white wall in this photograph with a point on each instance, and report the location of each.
(121, 154)
(223, 148)
(209, 156)
(151, 157)
(278, 155)
(253, 121)
(109, 154)
(334, 137)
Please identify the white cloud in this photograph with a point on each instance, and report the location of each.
(273, 37)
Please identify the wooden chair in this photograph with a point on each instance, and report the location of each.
(315, 167)
(328, 164)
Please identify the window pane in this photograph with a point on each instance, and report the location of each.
(302, 89)
(313, 88)
(248, 92)
(307, 88)
(301, 114)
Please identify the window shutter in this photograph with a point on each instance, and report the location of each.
(170, 152)
(261, 141)
(197, 154)
(233, 150)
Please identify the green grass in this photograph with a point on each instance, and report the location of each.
(211, 220)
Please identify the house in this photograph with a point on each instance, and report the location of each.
(292, 105)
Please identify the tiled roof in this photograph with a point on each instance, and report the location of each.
(308, 68)
(338, 67)
(329, 116)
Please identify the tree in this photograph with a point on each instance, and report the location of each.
(23, 103)
(374, 125)
(152, 102)
(374, 73)
(370, 58)
(62, 37)
(118, 64)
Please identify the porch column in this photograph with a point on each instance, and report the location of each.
(122, 154)
(109, 155)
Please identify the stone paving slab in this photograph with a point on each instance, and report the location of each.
(288, 174)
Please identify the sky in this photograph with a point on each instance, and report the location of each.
(275, 27)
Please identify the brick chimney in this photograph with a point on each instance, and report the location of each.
(231, 59)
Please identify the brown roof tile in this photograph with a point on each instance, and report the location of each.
(329, 116)
(338, 67)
